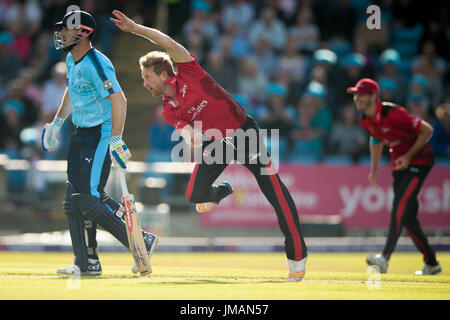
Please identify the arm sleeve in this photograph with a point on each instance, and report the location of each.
(104, 76)
(190, 70)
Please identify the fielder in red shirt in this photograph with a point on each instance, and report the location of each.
(204, 114)
(412, 159)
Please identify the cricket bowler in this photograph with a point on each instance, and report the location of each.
(192, 97)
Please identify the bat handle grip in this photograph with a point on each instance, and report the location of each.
(123, 182)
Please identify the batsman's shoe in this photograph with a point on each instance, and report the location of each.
(208, 206)
(94, 269)
(153, 240)
(379, 261)
(296, 269)
(70, 270)
(428, 270)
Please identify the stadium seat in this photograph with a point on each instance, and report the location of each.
(406, 40)
(337, 159)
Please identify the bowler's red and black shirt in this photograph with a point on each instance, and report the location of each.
(396, 128)
(201, 101)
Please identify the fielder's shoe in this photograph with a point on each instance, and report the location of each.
(428, 270)
(296, 269)
(94, 269)
(208, 206)
(379, 260)
(153, 240)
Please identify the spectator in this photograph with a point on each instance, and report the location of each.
(313, 121)
(352, 70)
(419, 107)
(21, 45)
(305, 34)
(32, 89)
(161, 138)
(239, 44)
(11, 124)
(222, 69)
(428, 54)
(53, 92)
(252, 83)
(389, 60)
(25, 12)
(388, 90)
(418, 86)
(195, 44)
(270, 28)
(347, 138)
(9, 63)
(239, 13)
(434, 82)
(16, 92)
(325, 57)
(440, 141)
(266, 57)
(3, 89)
(201, 21)
(105, 30)
(38, 62)
(276, 114)
(293, 87)
(324, 64)
(293, 62)
(285, 9)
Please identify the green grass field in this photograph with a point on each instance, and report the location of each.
(222, 276)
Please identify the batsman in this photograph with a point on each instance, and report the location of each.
(98, 106)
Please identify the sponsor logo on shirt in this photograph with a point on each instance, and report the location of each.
(107, 84)
(194, 111)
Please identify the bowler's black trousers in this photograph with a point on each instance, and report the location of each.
(254, 156)
(405, 207)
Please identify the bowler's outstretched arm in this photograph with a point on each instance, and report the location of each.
(177, 52)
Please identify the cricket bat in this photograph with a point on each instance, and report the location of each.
(134, 233)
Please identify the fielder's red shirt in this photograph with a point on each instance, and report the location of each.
(397, 129)
(200, 98)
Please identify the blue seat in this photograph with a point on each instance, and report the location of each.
(407, 34)
(337, 159)
(406, 48)
(404, 67)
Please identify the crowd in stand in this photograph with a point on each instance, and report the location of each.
(286, 62)
(289, 64)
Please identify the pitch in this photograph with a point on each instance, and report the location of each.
(221, 276)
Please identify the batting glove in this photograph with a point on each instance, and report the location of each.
(119, 152)
(49, 139)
